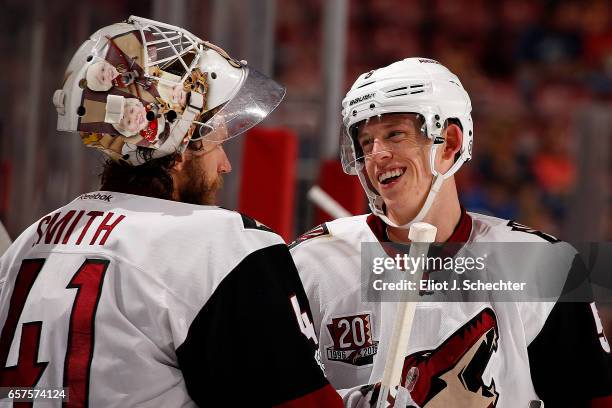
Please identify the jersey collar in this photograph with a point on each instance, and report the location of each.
(461, 233)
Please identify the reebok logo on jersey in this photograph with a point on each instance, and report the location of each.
(352, 341)
(97, 196)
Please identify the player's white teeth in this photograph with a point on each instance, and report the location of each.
(388, 174)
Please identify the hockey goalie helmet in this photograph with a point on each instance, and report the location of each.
(147, 84)
(419, 86)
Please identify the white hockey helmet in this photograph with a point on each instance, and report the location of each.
(414, 85)
(147, 84)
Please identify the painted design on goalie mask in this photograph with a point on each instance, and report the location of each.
(123, 109)
(162, 72)
(102, 76)
(414, 85)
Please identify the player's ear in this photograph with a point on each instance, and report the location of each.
(179, 162)
(453, 141)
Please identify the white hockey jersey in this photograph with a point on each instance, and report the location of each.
(128, 301)
(473, 354)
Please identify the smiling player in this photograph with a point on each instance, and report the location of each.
(407, 131)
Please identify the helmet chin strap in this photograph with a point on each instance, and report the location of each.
(436, 184)
(431, 196)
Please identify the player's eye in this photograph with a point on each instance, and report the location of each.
(396, 135)
(366, 143)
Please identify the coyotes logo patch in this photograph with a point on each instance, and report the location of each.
(352, 341)
(451, 374)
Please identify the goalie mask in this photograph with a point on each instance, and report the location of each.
(149, 85)
(414, 85)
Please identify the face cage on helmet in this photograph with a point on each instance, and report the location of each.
(255, 98)
(173, 46)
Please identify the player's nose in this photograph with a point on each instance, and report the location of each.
(380, 151)
(224, 166)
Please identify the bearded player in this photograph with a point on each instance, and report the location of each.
(407, 131)
(144, 294)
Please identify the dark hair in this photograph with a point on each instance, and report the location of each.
(151, 179)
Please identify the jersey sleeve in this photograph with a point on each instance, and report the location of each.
(570, 358)
(253, 341)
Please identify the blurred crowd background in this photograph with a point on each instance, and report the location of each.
(539, 74)
(540, 78)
